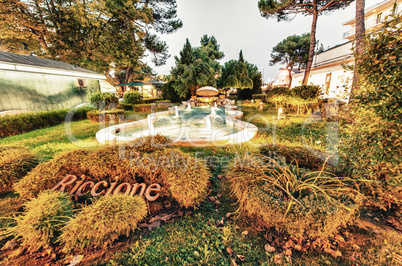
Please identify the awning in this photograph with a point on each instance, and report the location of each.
(106, 86)
(207, 91)
(134, 83)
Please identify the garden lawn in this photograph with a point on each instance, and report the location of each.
(209, 235)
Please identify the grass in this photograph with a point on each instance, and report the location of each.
(198, 239)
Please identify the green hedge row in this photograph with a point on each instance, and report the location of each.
(21, 123)
(137, 107)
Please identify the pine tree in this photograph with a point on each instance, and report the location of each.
(284, 9)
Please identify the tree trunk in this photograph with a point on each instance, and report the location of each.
(128, 70)
(312, 45)
(359, 35)
(290, 75)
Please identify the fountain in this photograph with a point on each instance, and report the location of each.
(176, 111)
(215, 105)
(213, 111)
(197, 127)
(188, 106)
(151, 127)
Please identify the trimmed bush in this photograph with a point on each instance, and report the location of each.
(127, 106)
(48, 174)
(42, 220)
(150, 143)
(11, 125)
(306, 92)
(141, 108)
(108, 116)
(15, 163)
(133, 97)
(262, 97)
(185, 177)
(152, 100)
(294, 201)
(104, 221)
(104, 100)
(182, 177)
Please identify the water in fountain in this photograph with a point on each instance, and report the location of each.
(208, 123)
(151, 128)
(213, 111)
(188, 106)
(176, 111)
(215, 105)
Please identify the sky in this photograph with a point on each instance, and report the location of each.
(237, 25)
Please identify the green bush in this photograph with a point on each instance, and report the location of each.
(104, 100)
(127, 106)
(11, 125)
(278, 91)
(40, 224)
(262, 97)
(306, 92)
(141, 108)
(15, 163)
(294, 201)
(152, 100)
(106, 116)
(371, 147)
(133, 97)
(104, 221)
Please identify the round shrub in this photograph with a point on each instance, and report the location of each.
(15, 163)
(104, 100)
(133, 97)
(104, 221)
(187, 177)
(293, 201)
(47, 174)
(42, 220)
(150, 143)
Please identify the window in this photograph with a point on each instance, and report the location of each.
(378, 18)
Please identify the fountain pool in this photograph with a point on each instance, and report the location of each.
(199, 126)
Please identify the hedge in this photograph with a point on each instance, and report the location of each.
(21, 123)
(148, 108)
(152, 100)
(114, 116)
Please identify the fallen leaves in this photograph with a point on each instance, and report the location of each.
(269, 248)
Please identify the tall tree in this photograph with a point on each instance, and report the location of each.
(92, 34)
(284, 9)
(359, 36)
(235, 75)
(292, 51)
(196, 67)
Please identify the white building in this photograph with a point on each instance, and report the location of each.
(328, 69)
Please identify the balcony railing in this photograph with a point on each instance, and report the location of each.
(367, 24)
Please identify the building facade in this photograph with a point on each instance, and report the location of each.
(30, 83)
(329, 69)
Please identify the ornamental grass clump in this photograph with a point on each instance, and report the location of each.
(15, 163)
(40, 223)
(294, 201)
(104, 221)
